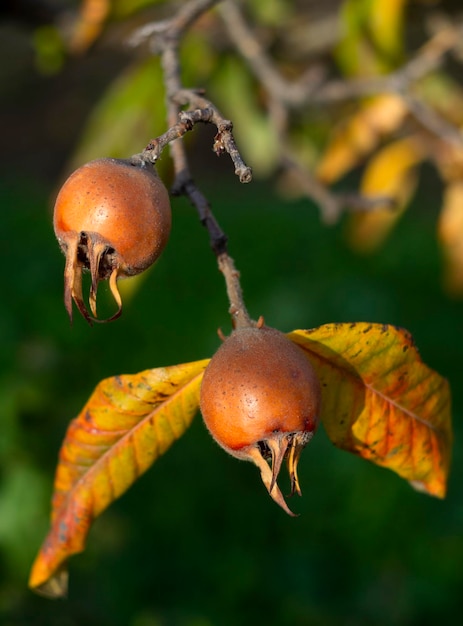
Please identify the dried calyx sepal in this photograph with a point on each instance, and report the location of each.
(113, 218)
(260, 400)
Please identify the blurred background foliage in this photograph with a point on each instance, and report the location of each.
(197, 541)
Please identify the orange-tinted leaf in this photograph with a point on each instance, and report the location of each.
(380, 401)
(451, 237)
(128, 422)
(359, 135)
(389, 173)
(89, 24)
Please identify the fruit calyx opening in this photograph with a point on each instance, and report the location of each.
(275, 449)
(88, 251)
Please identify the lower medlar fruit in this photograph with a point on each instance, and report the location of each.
(112, 217)
(260, 400)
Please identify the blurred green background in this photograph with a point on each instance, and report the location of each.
(197, 541)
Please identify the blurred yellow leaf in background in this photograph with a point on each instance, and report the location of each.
(451, 237)
(89, 24)
(359, 135)
(390, 173)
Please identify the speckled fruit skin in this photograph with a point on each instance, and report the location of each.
(256, 385)
(124, 205)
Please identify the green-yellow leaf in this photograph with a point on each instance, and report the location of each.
(381, 402)
(372, 39)
(128, 422)
(235, 90)
(130, 113)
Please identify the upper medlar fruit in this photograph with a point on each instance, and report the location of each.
(112, 217)
(260, 400)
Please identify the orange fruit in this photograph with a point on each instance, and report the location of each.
(260, 400)
(113, 218)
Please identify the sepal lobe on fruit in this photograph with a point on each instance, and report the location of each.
(280, 446)
(82, 252)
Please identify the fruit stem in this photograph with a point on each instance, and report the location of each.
(239, 313)
(184, 185)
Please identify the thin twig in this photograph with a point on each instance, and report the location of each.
(331, 204)
(186, 122)
(155, 32)
(188, 14)
(306, 92)
(224, 140)
(433, 122)
(168, 35)
(184, 185)
(427, 59)
(208, 113)
(292, 93)
(303, 91)
(238, 312)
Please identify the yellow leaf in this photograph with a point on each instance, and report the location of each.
(386, 21)
(359, 135)
(381, 402)
(451, 237)
(390, 174)
(128, 422)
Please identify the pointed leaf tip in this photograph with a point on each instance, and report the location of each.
(54, 587)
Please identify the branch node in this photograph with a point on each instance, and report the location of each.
(244, 174)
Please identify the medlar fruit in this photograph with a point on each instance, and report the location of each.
(260, 400)
(113, 218)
